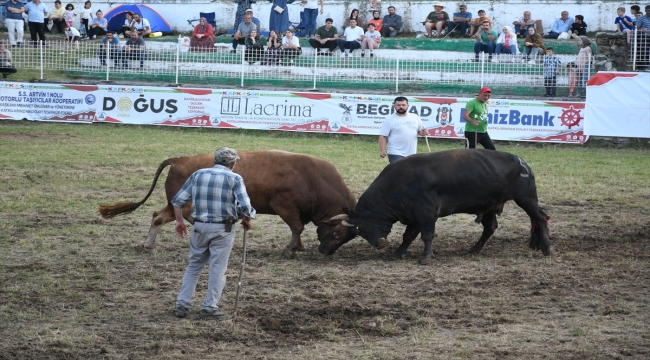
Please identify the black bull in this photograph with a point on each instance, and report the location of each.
(419, 189)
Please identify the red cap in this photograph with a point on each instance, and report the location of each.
(485, 89)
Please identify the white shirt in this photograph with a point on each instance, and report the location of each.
(294, 41)
(142, 25)
(85, 13)
(311, 4)
(373, 35)
(72, 32)
(353, 34)
(402, 133)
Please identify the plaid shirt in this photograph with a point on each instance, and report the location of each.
(36, 13)
(551, 63)
(216, 193)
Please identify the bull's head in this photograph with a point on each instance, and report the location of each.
(334, 232)
(347, 226)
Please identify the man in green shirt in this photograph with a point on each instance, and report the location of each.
(325, 37)
(437, 19)
(485, 40)
(476, 121)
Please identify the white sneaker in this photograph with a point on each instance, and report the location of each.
(343, 54)
(514, 60)
(246, 63)
(495, 60)
(531, 62)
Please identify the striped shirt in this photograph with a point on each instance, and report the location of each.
(36, 13)
(216, 193)
(643, 23)
(551, 63)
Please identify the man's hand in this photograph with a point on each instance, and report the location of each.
(424, 132)
(246, 223)
(180, 229)
(323, 41)
(391, 28)
(382, 154)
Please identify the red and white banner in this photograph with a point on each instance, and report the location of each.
(516, 120)
(48, 102)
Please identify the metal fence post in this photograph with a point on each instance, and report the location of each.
(108, 58)
(178, 52)
(40, 43)
(482, 67)
(315, 61)
(397, 75)
(634, 47)
(242, 68)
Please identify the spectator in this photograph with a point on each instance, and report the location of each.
(485, 41)
(69, 14)
(461, 21)
(15, 23)
(400, 132)
(5, 62)
(279, 18)
(371, 40)
(326, 37)
(57, 16)
(561, 25)
(522, 25)
(635, 9)
(140, 25)
(128, 22)
(624, 23)
(579, 27)
(392, 24)
(354, 15)
(254, 48)
(134, 49)
(290, 46)
(643, 38)
(311, 14)
(476, 121)
(534, 46)
(436, 18)
(476, 24)
(351, 39)
(507, 42)
(111, 45)
(551, 65)
(202, 36)
(98, 25)
(572, 71)
(372, 5)
(36, 14)
(86, 16)
(273, 48)
(72, 35)
(242, 6)
(255, 20)
(376, 20)
(242, 33)
(583, 64)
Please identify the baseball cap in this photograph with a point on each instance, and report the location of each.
(485, 89)
(463, 6)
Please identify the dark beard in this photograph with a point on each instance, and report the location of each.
(401, 111)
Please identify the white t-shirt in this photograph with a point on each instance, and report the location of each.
(311, 4)
(142, 25)
(294, 40)
(402, 133)
(85, 13)
(353, 34)
(72, 32)
(373, 35)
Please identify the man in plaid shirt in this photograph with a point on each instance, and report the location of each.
(216, 194)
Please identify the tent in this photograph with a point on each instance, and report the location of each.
(116, 16)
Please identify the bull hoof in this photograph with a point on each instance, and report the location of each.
(397, 256)
(548, 251)
(149, 248)
(426, 260)
(288, 254)
(301, 248)
(474, 250)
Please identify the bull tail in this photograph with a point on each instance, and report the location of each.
(126, 207)
(539, 233)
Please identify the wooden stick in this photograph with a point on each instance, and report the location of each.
(241, 274)
(426, 139)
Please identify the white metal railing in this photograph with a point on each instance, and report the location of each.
(387, 70)
(639, 50)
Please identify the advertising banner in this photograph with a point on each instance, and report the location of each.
(48, 102)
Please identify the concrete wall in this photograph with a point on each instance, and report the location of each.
(599, 15)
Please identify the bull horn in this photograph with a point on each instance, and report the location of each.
(339, 217)
(382, 243)
(345, 223)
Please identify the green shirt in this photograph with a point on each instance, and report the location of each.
(434, 17)
(484, 36)
(477, 110)
(324, 34)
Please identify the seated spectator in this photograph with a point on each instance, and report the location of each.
(437, 18)
(583, 65)
(5, 62)
(128, 22)
(643, 39)
(351, 39)
(476, 24)
(534, 46)
(97, 26)
(326, 37)
(242, 33)
(254, 48)
(461, 21)
(202, 36)
(561, 25)
(579, 27)
(376, 20)
(522, 25)
(624, 23)
(109, 44)
(635, 9)
(371, 40)
(291, 46)
(139, 25)
(391, 24)
(485, 39)
(255, 20)
(72, 35)
(354, 15)
(507, 42)
(273, 48)
(134, 49)
(57, 16)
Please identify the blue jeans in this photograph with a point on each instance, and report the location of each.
(393, 158)
(310, 16)
(523, 30)
(461, 25)
(479, 46)
(499, 47)
(352, 45)
(551, 35)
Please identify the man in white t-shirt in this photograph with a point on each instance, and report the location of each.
(351, 39)
(139, 25)
(400, 130)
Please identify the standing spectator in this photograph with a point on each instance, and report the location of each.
(57, 16)
(254, 48)
(507, 42)
(202, 36)
(325, 37)
(372, 4)
(371, 40)
(242, 33)
(279, 18)
(572, 71)
(290, 46)
(128, 22)
(15, 22)
(485, 41)
(436, 18)
(354, 15)
(36, 14)
(86, 16)
(98, 25)
(5, 62)
(533, 45)
(392, 24)
(376, 20)
(522, 25)
(217, 194)
(551, 66)
(624, 23)
(69, 14)
(461, 20)
(242, 6)
(583, 64)
(273, 49)
(109, 44)
(400, 131)
(579, 27)
(475, 25)
(561, 25)
(140, 25)
(72, 35)
(134, 49)
(311, 13)
(476, 121)
(351, 39)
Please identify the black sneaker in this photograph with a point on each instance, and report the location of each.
(233, 51)
(213, 315)
(181, 311)
(363, 54)
(547, 95)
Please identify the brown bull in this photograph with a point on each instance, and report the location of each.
(299, 188)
